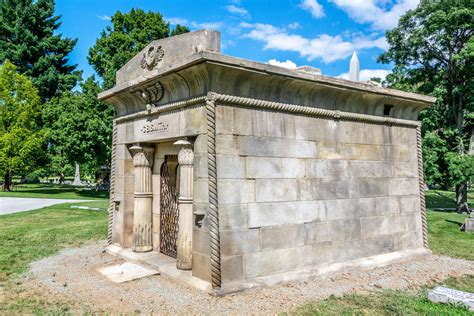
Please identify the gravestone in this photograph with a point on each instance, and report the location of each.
(77, 176)
(441, 294)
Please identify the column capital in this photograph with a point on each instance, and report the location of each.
(142, 155)
(186, 153)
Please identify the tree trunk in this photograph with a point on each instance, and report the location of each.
(461, 198)
(61, 178)
(7, 182)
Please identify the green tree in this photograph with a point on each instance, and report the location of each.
(29, 39)
(22, 141)
(432, 49)
(80, 129)
(129, 33)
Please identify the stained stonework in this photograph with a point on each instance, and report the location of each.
(281, 174)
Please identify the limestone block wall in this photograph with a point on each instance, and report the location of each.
(297, 192)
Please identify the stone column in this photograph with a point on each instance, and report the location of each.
(143, 198)
(185, 204)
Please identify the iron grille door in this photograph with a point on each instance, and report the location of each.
(169, 212)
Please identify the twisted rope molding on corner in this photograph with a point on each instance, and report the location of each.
(311, 111)
(112, 184)
(421, 183)
(213, 204)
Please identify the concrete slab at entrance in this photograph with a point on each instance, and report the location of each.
(126, 271)
(10, 205)
(166, 265)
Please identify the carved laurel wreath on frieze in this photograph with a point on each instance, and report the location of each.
(152, 57)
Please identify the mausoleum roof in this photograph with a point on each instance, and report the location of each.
(191, 65)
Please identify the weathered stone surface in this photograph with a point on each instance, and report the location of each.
(233, 216)
(344, 229)
(369, 169)
(201, 241)
(407, 240)
(317, 254)
(236, 191)
(232, 268)
(201, 266)
(325, 189)
(441, 294)
(378, 206)
(226, 144)
(266, 167)
(273, 261)
(232, 120)
(317, 232)
(316, 168)
(273, 124)
(273, 190)
(403, 186)
(405, 169)
(230, 167)
(174, 50)
(235, 242)
(286, 236)
(269, 214)
(200, 192)
(409, 204)
(311, 128)
(256, 146)
(350, 250)
(341, 209)
(372, 187)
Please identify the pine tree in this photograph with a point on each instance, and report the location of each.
(28, 40)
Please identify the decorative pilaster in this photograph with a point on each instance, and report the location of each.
(213, 204)
(421, 182)
(185, 204)
(112, 202)
(143, 196)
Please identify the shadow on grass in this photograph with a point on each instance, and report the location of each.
(55, 191)
(454, 222)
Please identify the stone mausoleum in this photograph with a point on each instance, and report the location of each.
(229, 173)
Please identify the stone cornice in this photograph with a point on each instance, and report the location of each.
(207, 71)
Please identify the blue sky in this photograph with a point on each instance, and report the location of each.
(289, 33)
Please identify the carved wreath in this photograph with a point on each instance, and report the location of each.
(152, 57)
(151, 93)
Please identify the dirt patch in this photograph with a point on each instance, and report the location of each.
(71, 276)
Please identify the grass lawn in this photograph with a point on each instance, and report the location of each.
(29, 236)
(55, 191)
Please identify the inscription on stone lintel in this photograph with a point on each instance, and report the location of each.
(154, 127)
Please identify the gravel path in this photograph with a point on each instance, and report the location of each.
(71, 275)
(10, 205)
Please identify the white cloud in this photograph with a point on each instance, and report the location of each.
(326, 47)
(366, 74)
(194, 24)
(104, 17)
(285, 64)
(381, 14)
(175, 21)
(294, 26)
(313, 7)
(238, 10)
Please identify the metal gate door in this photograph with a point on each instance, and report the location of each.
(168, 210)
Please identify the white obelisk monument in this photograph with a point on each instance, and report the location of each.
(354, 68)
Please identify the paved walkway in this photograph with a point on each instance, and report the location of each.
(10, 205)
